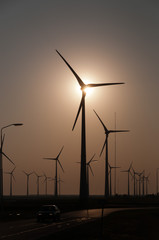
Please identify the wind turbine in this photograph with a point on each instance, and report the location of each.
(37, 181)
(143, 185)
(134, 176)
(27, 175)
(59, 182)
(57, 161)
(107, 132)
(88, 164)
(83, 180)
(45, 180)
(147, 181)
(157, 181)
(140, 175)
(110, 177)
(11, 177)
(128, 171)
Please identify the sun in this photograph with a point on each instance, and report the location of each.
(88, 91)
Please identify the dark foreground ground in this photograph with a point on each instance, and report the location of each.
(130, 225)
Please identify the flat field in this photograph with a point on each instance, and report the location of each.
(124, 225)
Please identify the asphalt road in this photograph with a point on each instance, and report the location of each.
(32, 230)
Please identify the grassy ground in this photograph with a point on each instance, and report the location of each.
(125, 225)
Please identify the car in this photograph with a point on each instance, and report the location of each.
(48, 212)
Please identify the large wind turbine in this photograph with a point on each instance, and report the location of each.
(27, 175)
(57, 161)
(11, 178)
(128, 171)
(107, 132)
(83, 180)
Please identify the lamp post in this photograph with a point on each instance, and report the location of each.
(3, 154)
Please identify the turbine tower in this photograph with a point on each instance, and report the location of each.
(107, 132)
(11, 178)
(1, 163)
(88, 164)
(128, 171)
(59, 182)
(110, 177)
(147, 181)
(134, 176)
(57, 161)
(45, 180)
(83, 180)
(27, 175)
(37, 181)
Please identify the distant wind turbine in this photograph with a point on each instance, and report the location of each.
(11, 178)
(59, 182)
(140, 175)
(107, 132)
(83, 180)
(57, 161)
(88, 164)
(27, 175)
(45, 181)
(128, 171)
(134, 177)
(110, 177)
(147, 181)
(37, 181)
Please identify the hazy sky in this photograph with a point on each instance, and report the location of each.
(104, 41)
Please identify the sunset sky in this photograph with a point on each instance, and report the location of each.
(104, 41)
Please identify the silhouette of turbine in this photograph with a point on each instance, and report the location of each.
(128, 171)
(37, 181)
(147, 181)
(27, 175)
(140, 176)
(107, 132)
(57, 161)
(11, 178)
(59, 182)
(134, 176)
(45, 180)
(110, 177)
(88, 164)
(1, 155)
(83, 180)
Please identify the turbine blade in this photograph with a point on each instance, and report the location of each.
(130, 165)
(103, 84)
(103, 146)
(78, 112)
(50, 158)
(91, 170)
(59, 153)
(81, 83)
(116, 131)
(91, 159)
(13, 178)
(101, 121)
(3, 141)
(8, 158)
(60, 165)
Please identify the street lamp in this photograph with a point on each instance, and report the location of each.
(3, 154)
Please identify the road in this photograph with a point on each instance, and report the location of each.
(32, 230)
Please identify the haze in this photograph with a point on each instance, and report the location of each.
(104, 41)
